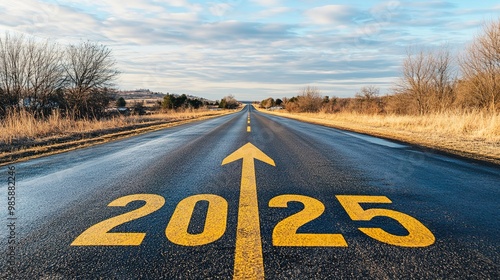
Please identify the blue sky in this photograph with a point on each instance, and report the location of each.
(254, 49)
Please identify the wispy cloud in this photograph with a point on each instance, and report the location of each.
(252, 49)
(276, 11)
(333, 14)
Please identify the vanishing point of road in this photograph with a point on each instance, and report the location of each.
(250, 196)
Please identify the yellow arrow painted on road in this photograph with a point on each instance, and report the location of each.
(248, 260)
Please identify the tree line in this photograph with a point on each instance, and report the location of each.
(172, 102)
(430, 81)
(175, 102)
(39, 76)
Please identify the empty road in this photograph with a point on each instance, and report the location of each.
(250, 195)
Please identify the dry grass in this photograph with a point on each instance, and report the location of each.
(21, 126)
(23, 137)
(474, 134)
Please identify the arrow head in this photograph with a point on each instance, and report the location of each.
(248, 151)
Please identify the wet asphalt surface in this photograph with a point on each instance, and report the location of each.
(58, 197)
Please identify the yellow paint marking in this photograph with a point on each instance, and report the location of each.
(249, 129)
(418, 234)
(99, 235)
(248, 260)
(215, 224)
(285, 232)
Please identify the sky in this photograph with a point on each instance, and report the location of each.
(254, 49)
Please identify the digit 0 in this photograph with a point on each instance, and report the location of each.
(215, 224)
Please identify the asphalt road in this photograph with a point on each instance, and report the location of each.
(391, 210)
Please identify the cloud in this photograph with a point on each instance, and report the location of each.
(257, 48)
(273, 12)
(332, 14)
(267, 3)
(219, 9)
(48, 20)
(430, 5)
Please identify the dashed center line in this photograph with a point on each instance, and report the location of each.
(249, 129)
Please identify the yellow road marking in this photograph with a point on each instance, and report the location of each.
(215, 223)
(418, 234)
(249, 129)
(248, 260)
(99, 235)
(285, 232)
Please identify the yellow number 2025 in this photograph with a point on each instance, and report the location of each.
(284, 234)
(418, 234)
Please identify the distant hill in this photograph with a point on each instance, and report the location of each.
(148, 94)
(139, 94)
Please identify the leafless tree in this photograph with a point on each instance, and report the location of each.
(231, 102)
(415, 80)
(45, 76)
(38, 75)
(30, 72)
(12, 70)
(480, 68)
(427, 81)
(310, 100)
(443, 80)
(90, 71)
(367, 100)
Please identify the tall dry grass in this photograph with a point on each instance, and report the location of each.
(474, 125)
(20, 125)
(474, 133)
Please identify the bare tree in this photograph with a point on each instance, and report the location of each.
(443, 80)
(231, 102)
(12, 70)
(45, 77)
(90, 71)
(30, 73)
(37, 76)
(426, 82)
(480, 68)
(310, 100)
(415, 81)
(367, 100)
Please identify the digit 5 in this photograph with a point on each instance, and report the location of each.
(419, 235)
